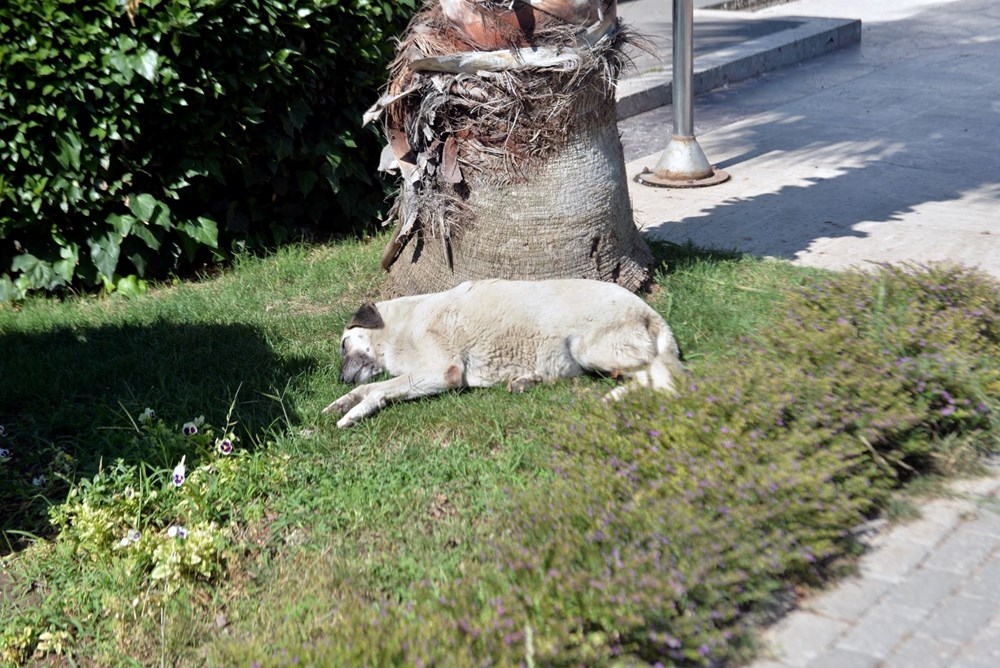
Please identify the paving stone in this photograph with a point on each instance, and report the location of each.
(893, 560)
(921, 651)
(983, 651)
(925, 588)
(986, 583)
(976, 486)
(924, 531)
(959, 618)
(987, 519)
(801, 637)
(849, 599)
(963, 551)
(947, 511)
(842, 658)
(881, 629)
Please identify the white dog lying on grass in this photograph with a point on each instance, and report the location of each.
(481, 333)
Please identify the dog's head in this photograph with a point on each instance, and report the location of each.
(357, 348)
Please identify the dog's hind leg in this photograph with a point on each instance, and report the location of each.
(646, 356)
(665, 368)
(659, 374)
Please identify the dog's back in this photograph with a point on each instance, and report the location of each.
(555, 305)
(557, 329)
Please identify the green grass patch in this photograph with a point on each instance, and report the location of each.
(476, 526)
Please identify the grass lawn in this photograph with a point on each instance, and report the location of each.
(476, 526)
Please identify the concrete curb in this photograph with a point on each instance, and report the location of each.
(814, 37)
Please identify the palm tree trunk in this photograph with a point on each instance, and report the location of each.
(538, 192)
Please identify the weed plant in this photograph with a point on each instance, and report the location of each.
(481, 528)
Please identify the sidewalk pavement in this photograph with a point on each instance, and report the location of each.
(883, 151)
(926, 594)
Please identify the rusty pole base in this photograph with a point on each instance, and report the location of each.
(651, 178)
(683, 165)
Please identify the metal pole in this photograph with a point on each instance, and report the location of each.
(683, 67)
(683, 163)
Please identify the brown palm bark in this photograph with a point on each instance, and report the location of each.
(509, 175)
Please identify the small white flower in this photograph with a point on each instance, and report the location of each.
(129, 493)
(4, 453)
(39, 481)
(177, 532)
(148, 415)
(191, 428)
(132, 536)
(225, 444)
(179, 473)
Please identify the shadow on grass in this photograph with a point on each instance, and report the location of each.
(668, 256)
(68, 398)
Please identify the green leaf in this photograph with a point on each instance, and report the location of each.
(145, 66)
(69, 150)
(35, 273)
(65, 268)
(123, 65)
(282, 55)
(204, 230)
(146, 234)
(307, 180)
(8, 291)
(138, 261)
(104, 253)
(130, 286)
(121, 224)
(149, 210)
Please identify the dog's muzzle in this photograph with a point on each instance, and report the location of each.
(358, 369)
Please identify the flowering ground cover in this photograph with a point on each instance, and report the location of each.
(170, 494)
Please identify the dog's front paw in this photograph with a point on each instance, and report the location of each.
(346, 421)
(616, 394)
(342, 405)
(361, 411)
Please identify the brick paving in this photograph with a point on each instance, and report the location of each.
(926, 594)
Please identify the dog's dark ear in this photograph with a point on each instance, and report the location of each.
(367, 317)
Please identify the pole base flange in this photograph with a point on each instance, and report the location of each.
(649, 177)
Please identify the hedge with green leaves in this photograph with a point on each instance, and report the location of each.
(142, 139)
